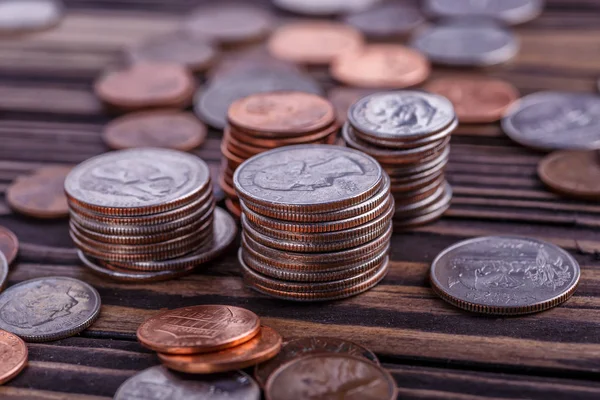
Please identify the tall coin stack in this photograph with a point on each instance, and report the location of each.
(408, 132)
(316, 222)
(264, 121)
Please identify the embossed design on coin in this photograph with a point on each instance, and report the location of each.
(46, 309)
(9, 246)
(504, 275)
(158, 383)
(13, 356)
(572, 173)
(509, 11)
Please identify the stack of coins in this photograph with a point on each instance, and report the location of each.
(408, 132)
(264, 121)
(316, 222)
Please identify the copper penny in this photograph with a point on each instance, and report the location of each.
(262, 347)
(381, 66)
(13, 356)
(41, 194)
(9, 244)
(343, 97)
(314, 42)
(147, 85)
(572, 173)
(167, 129)
(476, 100)
(198, 329)
(330, 376)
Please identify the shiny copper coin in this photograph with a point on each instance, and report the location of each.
(572, 173)
(257, 141)
(476, 100)
(381, 66)
(198, 329)
(41, 194)
(13, 356)
(9, 244)
(330, 376)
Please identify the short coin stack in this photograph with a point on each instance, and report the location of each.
(408, 132)
(264, 121)
(316, 222)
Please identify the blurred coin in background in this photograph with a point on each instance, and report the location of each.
(20, 16)
(511, 12)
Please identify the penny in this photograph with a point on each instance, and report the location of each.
(262, 347)
(146, 85)
(313, 42)
(165, 129)
(261, 143)
(324, 7)
(9, 245)
(13, 356)
(386, 21)
(512, 12)
(476, 100)
(506, 275)
(46, 309)
(21, 16)
(303, 347)
(40, 194)
(160, 383)
(330, 376)
(572, 173)
(342, 99)
(555, 121)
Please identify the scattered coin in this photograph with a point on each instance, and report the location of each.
(390, 20)
(13, 356)
(572, 173)
(324, 7)
(21, 16)
(9, 245)
(165, 129)
(504, 275)
(160, 383)
(46, 309)
(512, 12)
(3, 270)
(330, 376)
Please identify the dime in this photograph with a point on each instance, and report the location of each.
(476, 100)
(330, 375)
(504, 275)
(324, 7)
(381, 66)
(198, 329)
(573, 173)
(3, 270)
(262, 347)
(160, 383)
(20, 16)
(511, 12)
(343, 97)
(51, 308)
(554, 121)
(303, 347)
(386, 21)
(13, 355)
(9, 245)
(169, 129)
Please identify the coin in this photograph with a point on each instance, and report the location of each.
(262, 347)
(146, 85)
(165, 129)
(20, 16)
(160, 383)
(512, 12)
(324, 7)
(3, 270)
(343, 97)
(295, 42)
(572, 173)
(504, 275)
(41, 194)
(9, 245)
(303, 347)
(50, 308)
(476, 100)
(386, 21)
(330, 375)
(13, 356)
(555, 121)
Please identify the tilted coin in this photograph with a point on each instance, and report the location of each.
(9, 245)
(330, 376)
(13, 356)
(262, 347)
(45, 309)
(554, 121)
(572, 173)
(509, 11)
(20, 16)
(158, 383)
(504, 275)
(301, 347)
(3, 270)
(324, 7)
(386, 21)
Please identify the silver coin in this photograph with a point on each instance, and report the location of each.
(137, 180)
(324, 7)
(3, 270)
(52, 308)
(508, 11)
(555, 120)
(505, 275)
(28, 15)
(158, 383)
(466, 43)
(387, 20)
(401, 115)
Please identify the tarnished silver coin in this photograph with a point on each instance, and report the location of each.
(508, 11)
(3, 270)
(555, 120)
(504, 275)
(466, 43)
(324, 7)
(29, 15)
(387, 20)
(45, 309)
(158, 383)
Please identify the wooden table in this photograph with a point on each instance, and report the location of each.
(49, 115)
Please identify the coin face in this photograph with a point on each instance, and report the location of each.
(324, 7)
(13, 356)
(9, 245)
(387, 20)
(504, 275)
(47, 309)
(573, 173)
(555, 121)
(330, 376)
(164, 129)
(508, 11)
(29, 15)
(157, 383)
